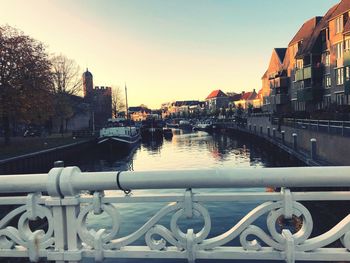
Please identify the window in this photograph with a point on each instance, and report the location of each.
(347, 73)
(339, 50)
(339, 25)
(327, 81)
(340, 98)
(300, 63)
(347, 45)
(326, 59)
(339, 76)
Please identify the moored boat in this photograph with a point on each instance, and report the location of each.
(204, 125)
(185, 125)
(119, 134)
(167, 133)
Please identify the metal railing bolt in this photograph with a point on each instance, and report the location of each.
(313, 148)
(58, 164)
(295, 139)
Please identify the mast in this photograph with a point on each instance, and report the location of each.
(126, 103)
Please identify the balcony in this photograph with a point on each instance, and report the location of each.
(308, 72)
(280, 82)
(309, 94)
(281, 99)
(346, 58)
(347, 87)
(299, 74)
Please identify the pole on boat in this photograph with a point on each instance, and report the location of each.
(126, 103)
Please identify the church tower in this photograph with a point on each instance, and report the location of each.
(87, 83)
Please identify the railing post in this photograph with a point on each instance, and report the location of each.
(58, 164)
(329, 126)
(295, 138)
(283, 136)
(250, 127)
(313, 148)
(268, 131)
(274, 133)
(261, 130)
(342, 128)
(318, 125)
(254, 128)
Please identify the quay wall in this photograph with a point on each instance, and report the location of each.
(333, 148)
(43, 160)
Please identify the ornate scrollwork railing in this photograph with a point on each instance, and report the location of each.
(51, 221)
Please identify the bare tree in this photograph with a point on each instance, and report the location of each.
(25, 80)
(118, 101)
(66, 75)
(67, 81)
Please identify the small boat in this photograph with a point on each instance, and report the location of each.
(204, 125)
(172, 125)
(167, 133)
(120, 134)
(185, 125)
(152, 128)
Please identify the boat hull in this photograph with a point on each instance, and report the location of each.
(118, 144)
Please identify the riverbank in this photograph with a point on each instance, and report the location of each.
(21, 146)
(26, 155)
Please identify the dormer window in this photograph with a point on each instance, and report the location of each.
(339, 25)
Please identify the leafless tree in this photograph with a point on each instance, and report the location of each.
(118, 101)
(66, 75)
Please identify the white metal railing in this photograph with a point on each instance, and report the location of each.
(329, 126)
(66, 196)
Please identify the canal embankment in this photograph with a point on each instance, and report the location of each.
(34, 154)
(314, 148)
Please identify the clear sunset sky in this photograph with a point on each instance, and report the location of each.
(165, 49)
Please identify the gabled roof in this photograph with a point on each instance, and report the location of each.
(236, 97)
(306, 30)
(309, 44)
(339, 9)
(139, 109)
(215, 94)
(281, 52)
(249, 95)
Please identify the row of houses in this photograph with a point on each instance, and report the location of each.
(313, 72)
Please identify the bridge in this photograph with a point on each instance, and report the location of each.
(65, 196)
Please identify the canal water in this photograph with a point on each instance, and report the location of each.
(185, 150)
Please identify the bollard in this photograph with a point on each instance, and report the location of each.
(283, 136)
(58, 164)
(250, 127)
(295, 138)
(313, 148)
(274, 133)
(261, 129)
(254, 128)
(268, 131)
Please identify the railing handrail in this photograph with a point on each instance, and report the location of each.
(70, 180)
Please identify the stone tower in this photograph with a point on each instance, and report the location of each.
(88, 85)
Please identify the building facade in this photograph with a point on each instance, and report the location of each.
(315, 71)
(216, 100)
(99, 99)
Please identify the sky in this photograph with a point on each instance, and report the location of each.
(165, 50)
